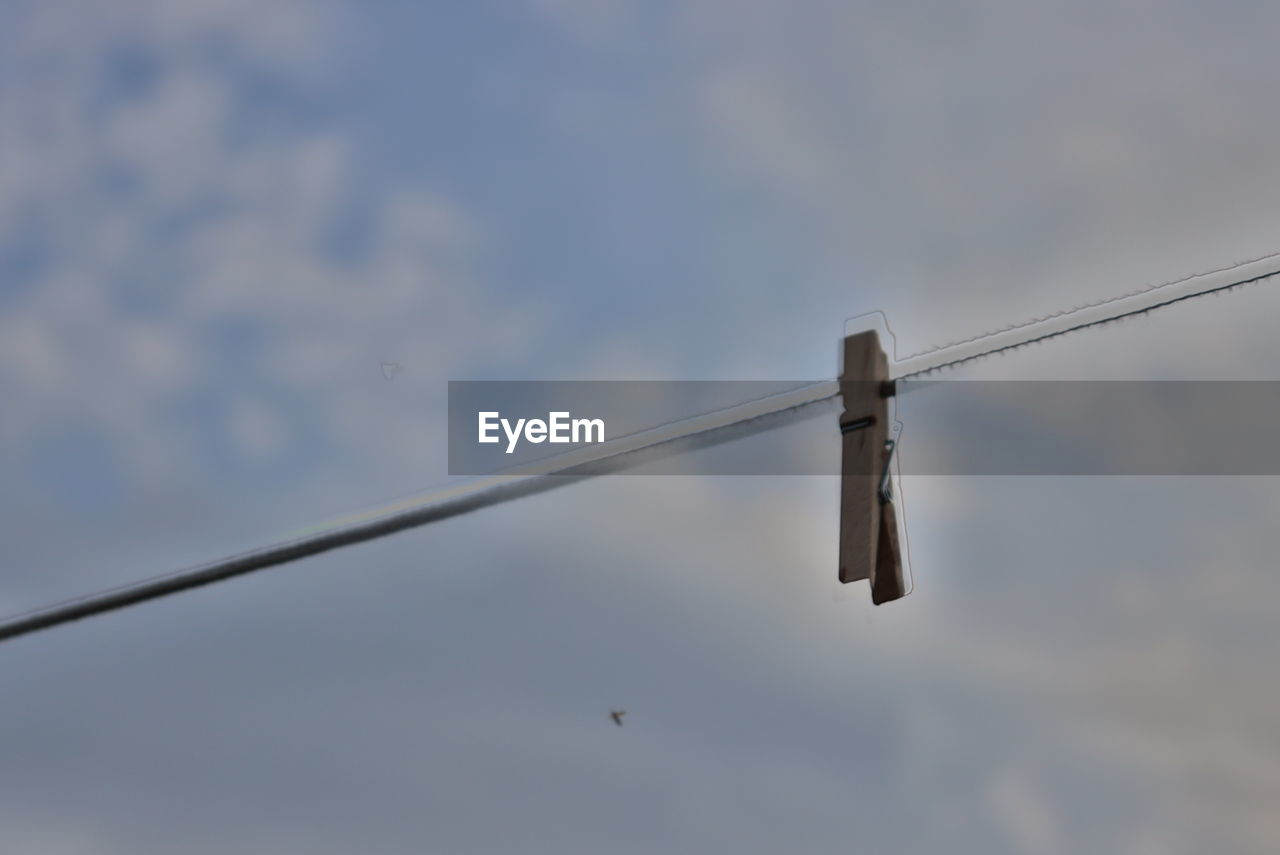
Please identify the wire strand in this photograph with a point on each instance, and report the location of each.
(1088, 315)
(735, 422)
(702, 431)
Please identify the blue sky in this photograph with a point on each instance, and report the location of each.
(217, 220)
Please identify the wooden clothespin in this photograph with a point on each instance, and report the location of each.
(869, 547)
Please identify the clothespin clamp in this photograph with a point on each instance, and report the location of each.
(869, 544)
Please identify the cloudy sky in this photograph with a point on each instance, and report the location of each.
(219, 219)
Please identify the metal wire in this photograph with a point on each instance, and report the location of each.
(1090, 315)
(738, 421)
(626, 452)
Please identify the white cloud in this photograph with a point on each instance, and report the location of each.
(994, 162)
(257, 428)
(226, 226)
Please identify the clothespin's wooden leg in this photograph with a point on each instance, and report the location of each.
(887, 582)
(863, 429)
(869, 547)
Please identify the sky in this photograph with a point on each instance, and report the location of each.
(220, 219)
